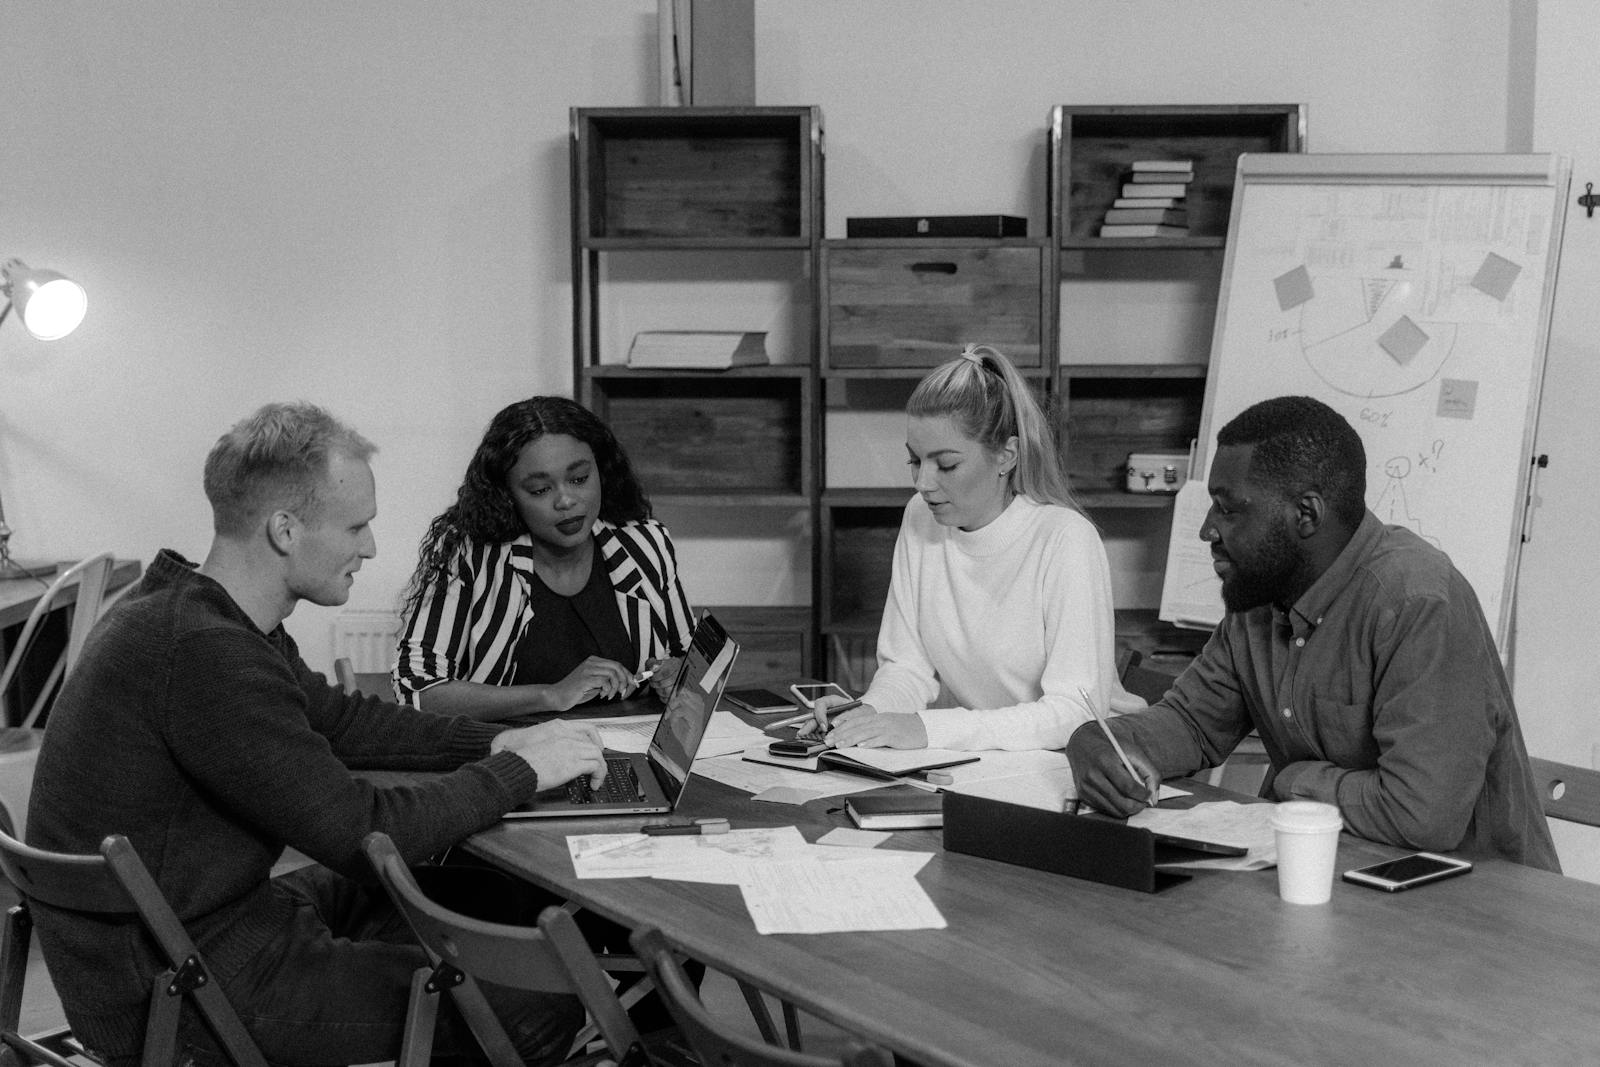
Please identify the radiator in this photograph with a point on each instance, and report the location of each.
(366, 638)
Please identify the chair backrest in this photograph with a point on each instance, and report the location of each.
(716, 1044)
(115, 882)
(1150, 685)
(552, 957)
(1568, 792)
(371, 683)
(86, 580)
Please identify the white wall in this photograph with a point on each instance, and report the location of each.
(365, 203)
(1560, 577)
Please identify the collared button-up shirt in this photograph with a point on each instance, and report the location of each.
(1379, 691)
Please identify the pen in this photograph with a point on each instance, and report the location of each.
(644, 676)
(798, 719)
(1123, 756)
(673, 829)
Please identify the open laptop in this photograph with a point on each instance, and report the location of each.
(653, 781)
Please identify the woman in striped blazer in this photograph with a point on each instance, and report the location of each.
(547, 584)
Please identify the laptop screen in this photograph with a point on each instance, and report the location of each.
(701, 677)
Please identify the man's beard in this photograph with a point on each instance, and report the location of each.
(1268, 577)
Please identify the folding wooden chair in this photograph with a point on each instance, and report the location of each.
(113, 883)
(552, 957)
(369, 683)
(85, 581)
(714, 1043)
(1567, 792)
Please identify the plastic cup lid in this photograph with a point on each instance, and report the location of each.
(1306, 816)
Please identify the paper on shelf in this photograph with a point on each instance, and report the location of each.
(1191, 592)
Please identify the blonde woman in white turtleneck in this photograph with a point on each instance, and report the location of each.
(998, 624)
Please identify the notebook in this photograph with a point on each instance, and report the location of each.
(654, 780)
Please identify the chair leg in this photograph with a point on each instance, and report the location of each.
(14, 939)
(422, 1011)
(791, 1025)
(759, 1012)
(161, 1023)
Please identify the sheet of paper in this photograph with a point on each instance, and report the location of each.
(627, 733)
(757, 777)
(845, 837)
(1191, 592)
(727, 733)
(1048, 790)
(804, 896)
(715, 858)
(1224, 821)
(993, 765)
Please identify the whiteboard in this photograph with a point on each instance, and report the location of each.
(1412, 294)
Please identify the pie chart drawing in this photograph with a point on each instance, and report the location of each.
(1358, 337)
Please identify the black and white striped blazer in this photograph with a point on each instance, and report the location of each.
(469, 625)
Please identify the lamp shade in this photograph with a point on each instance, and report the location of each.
(49, 304)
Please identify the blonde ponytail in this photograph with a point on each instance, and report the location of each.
(990, 400)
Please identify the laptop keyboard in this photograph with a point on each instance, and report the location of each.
(621, 785)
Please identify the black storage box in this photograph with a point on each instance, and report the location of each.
(937, 226)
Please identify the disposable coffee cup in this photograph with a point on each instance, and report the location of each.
(1307, 833)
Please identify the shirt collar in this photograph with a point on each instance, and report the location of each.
(1315, 602)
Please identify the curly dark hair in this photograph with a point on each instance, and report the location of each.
(484, 512)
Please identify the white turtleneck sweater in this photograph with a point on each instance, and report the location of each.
(1000, 627)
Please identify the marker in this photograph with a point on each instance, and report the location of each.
(674, 829)
(807, 717)
(1123, 756)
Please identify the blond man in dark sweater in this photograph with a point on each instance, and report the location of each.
(192, 726)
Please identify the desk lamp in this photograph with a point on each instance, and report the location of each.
(50, 306)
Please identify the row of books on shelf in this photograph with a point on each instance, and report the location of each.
(1153, 202)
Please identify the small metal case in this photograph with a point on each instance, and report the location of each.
(1157, 472)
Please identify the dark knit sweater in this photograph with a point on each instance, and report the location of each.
(212, 746)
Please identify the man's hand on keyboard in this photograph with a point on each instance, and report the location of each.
(558, 751)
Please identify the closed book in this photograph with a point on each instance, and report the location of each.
(1143, 230)
(1167, 216)
(1155, 189)
(1163, 166)
(697, 349)
(1149, 201)
(1160, 179)
(895, 811)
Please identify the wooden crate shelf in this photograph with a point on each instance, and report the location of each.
(1092, 148)
(736, 436)
(695, 174)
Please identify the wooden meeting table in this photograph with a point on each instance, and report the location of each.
(1501, 965)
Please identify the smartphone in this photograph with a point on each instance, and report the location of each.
(799, 748)
(1416, 869)
(807, 694)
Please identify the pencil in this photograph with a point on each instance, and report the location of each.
(798, 719)
(1104, 726)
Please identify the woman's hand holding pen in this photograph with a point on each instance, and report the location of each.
(661, 673)
(865, 726)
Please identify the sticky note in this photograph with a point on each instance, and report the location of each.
(1496, 275)
(1458, 399)
(1403, 340)
(1294, 288)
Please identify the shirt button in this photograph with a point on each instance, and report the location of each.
(1299, 642)
(1287, 714)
